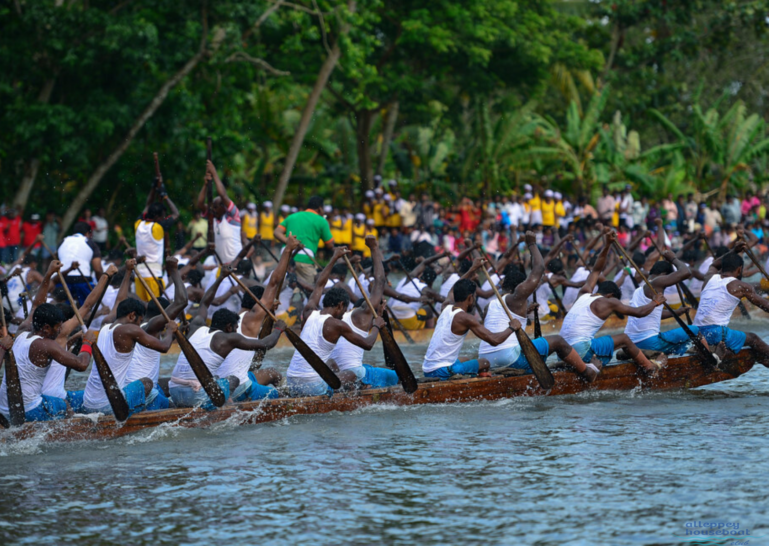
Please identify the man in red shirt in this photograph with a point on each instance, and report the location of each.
(30, 230)
(13, 234)
(3, 238)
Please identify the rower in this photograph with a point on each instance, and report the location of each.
(349, 357)
(214, 344)
(516, 289)
(228, 235)
(322, 331)
(151, 230)
(145, 362)
(590, 311)
(34, 352)
(645, 331)
(81, 249)
(456, 320)
(418, 283)
(260, 384)
(721, 294)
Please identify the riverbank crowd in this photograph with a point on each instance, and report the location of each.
(229, 283)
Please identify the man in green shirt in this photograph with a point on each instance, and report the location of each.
(310, 227)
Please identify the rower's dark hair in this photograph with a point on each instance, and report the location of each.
(117, 279)
(359, 303)
(555, 266)
(689, 255)
(194, 277)
(365, 263)
(153, 310)
(339, 270)
(315, 202)
(155, 211)
(130, 305)
(661, 268)
(115, 254)
(248, 302)
(83, 228)
(428, 276)
(30, 259)
(463, 289)
(59, 294)
(46, 314)
(609, 288)
(639, 258)
(720, 251)
(223, 318)
(464, 266)
(513, 277)
(66, 310)
(731, 262)
(335, 296)
(244, 267)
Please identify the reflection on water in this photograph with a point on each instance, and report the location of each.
(597, 468)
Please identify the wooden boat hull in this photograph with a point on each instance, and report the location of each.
(685, 372)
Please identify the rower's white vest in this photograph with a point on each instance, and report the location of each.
(638, 329)
(570, 296)
(94, 396)
(151, 248)
(671, 292)
(628, 288)
(239, 360)
(497, 321)
(448, 284)
(31, 377)
(401, 309)
(346, 355)
(543, 295)
(75, 249)
(364, 281)
(312, 335)
(108, 301)
(145, 362)
(695, 285)
(581, 324)
(53, 384)
(445, 345)
(227, 238)
(201, 341)
(716, 303)
(483, 303)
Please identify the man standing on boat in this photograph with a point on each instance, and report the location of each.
(456, 320)
(80, 249)
(348, 356)
(721, 294)
(260, 384)
(590, 311)
(34, 352)
(645, 331)
(228, 234)
(322, 331)
(310, 227)
(516, 289)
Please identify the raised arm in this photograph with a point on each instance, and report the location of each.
(42, 294)
(377, 286)
(466, 321)
(600, 262)
(681, 273)
(557, 248)
(157, 323)
(122, 292)
(220, 189)
(527, 287)
(420, 267)
(314, 300)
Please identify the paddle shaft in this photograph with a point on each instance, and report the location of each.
(210, 195)
(115, 395)
(48, 249)
(13, 383)
(697, 343)
(268, 250)
(678, 285)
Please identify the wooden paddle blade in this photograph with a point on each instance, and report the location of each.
(538, 366)
(537, 325)
(402, 368)
(204, 375)
(115, 396)
(320, 367)
(387, 358)
(15, 396)
(690, 297)
(4, 422)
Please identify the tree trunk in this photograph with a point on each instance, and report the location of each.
(157, 101)
(309, 111)
(363, 120)
(33, 165)
(387, 136)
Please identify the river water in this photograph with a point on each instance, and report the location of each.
(597, 468)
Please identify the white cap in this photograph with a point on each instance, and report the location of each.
(251, 206)
(548, 193)
(294, 209)
(558, 195)
(285, 208)
(370, 221)
(327, 208)
(379, 190)
(392, 183)
(527, 196)
(377, 177)
(527, 187)
(369, 194)
(267, 204)
(387, 197)
(360, 217)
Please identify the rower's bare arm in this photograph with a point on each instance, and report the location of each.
(314, 300)
(492, 338)
(122, 292)
(220, 189)
(527, 287)
(420, 267)
(280, 234)
(596, 273)
(49, 349)
(180, 291)
(741, 289)
(365, 343)
(619, 307)
(141, 337)
(237, 341)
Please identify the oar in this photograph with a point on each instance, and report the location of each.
(23, 297)
(163, 290)
(114, 394)
(405, 375)
(91, 317)
(706, 355)
(390, 313)
(210, 195)
(537, 325)
(12, 382)
(741, 306)
(201, 371)
(538, 366)
(320, 367)
(90, 286)
(268, 250)
(755, 261)
(411, 280)
(166, 234)
(678, 284)
(48, 249)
